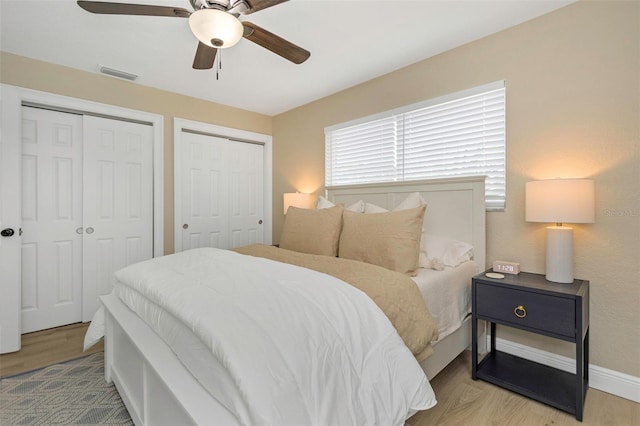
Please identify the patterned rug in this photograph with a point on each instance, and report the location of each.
(71, 393)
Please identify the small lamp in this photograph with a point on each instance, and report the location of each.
(296, 199)
(560, 201)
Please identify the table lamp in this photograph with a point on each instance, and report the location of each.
(296, 199)
(560, 201)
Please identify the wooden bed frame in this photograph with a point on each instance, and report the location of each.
(157, 389)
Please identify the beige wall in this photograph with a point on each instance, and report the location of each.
(24, 72)
(573, 94)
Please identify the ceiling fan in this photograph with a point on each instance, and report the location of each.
(215, 23)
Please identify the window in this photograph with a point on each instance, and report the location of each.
(462, 134)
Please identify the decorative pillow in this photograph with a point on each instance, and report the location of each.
(445, 251)
(312, 231)
(412, 201)
(390, 240)
(323, 203)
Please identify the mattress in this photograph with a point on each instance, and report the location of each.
(447, 294)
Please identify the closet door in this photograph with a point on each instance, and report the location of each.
(246, 193)
(205, 169)
(117, 202)
(221, 187)
(51, 219)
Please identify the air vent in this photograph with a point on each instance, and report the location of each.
(117, 73)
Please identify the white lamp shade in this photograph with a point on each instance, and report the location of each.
(216, 28)
(560, 201)
(296, 199)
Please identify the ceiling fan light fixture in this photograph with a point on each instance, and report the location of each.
(216, 28)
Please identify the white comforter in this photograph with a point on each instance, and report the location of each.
(300, 347)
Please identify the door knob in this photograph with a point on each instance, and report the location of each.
(7, 232)
(185, 226)
(89, 230)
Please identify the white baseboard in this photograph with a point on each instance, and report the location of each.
(610, 381)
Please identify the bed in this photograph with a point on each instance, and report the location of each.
(158, 388)
(456, 209)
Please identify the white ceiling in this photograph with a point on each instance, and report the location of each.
(351, 41)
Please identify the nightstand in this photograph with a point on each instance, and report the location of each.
(529, 302)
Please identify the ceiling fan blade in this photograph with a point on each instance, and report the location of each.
(256, 5)
(205, 56)
(274, 43)
(108, 8)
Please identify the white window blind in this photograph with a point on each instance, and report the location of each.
(462, 134)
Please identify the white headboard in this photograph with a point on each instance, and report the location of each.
(455, 207)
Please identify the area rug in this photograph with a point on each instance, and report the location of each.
(71, 393)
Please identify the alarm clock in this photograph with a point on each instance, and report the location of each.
(506, 267)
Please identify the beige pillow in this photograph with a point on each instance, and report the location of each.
(312, 231)
(412, 200)
(390, 239)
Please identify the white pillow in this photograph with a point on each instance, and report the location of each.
(372, 208)
(323, 203)
(412, 201)
(445, 251)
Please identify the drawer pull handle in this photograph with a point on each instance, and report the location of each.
(520, 311)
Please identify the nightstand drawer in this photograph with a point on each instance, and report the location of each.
(526, 309)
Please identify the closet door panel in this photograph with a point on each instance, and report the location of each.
(51, 216)
(205, 191)
(246, 193)
(118, 202)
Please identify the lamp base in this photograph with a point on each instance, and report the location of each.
(559, 265)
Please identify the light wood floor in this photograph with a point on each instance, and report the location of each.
(47, 347)
(461, 401)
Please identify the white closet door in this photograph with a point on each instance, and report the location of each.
(118, 202)
(246, 193)
(205, 168)
(51, 219)
(222, 192)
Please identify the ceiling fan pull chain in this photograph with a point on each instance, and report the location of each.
(219, 63)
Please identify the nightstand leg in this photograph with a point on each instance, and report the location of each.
(579, 379)
(582, 372)
(474, 347)
(493, 337)
(586, 358)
